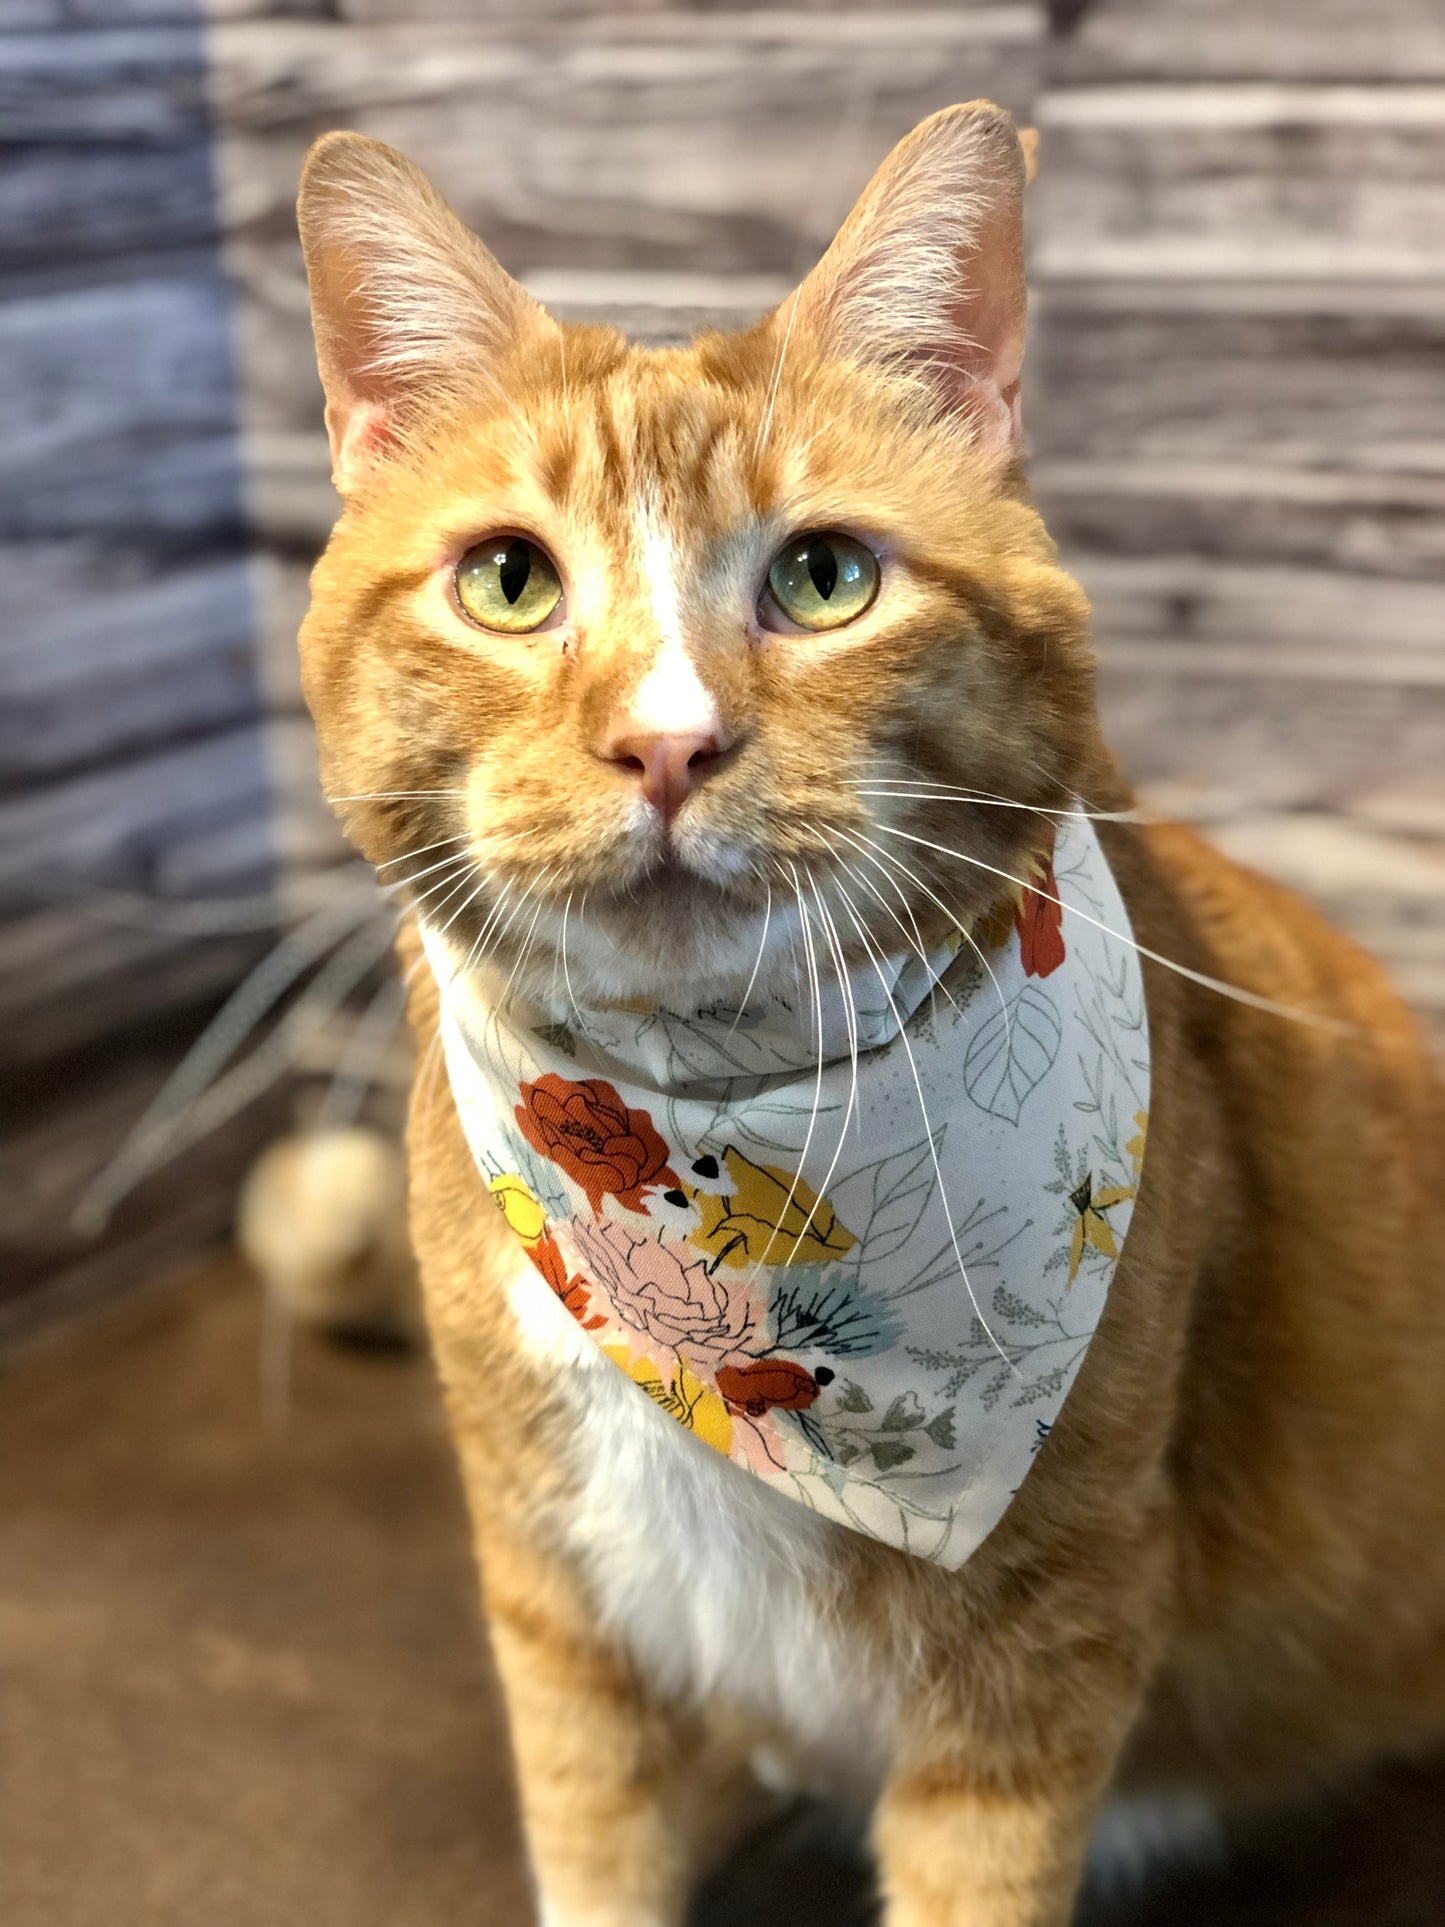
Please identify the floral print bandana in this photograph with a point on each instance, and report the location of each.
(856, 1241)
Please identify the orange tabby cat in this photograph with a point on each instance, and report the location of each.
(546, 637)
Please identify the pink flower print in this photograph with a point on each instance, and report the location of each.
(664, 1291)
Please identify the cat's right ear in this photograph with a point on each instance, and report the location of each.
(926, 276)
(406, 303)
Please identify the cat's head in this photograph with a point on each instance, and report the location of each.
(671, 654)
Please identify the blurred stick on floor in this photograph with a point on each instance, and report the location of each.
(242, 1679)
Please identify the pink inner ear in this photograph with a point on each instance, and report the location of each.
(359, 431)
(996, 412)
(990, 318)
(1000, 414)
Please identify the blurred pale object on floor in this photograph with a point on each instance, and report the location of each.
(322, 1218)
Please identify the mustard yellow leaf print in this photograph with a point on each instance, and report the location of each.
(1091, 1227)
(700, 1409)
(770, 1217)
(517, 1205)
(684, 1397)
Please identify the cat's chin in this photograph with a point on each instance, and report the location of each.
(675, 936)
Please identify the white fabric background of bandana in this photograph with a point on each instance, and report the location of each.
(867, 1376)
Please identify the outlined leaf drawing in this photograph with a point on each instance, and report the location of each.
(1012, 1054)
(897, 1189)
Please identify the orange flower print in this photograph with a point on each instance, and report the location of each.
(586, 1130)
(1040, 924)
(546, 1255)
(756, 1388)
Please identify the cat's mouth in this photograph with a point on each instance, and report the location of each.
(673, 893)
(670, 928)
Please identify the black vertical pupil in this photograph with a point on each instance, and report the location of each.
(823, 567)
(514, 565)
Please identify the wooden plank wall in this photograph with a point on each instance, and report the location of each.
(1235, 408)
(1240, 264)
(132, 719)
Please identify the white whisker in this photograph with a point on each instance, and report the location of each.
(1232, 991)
(465, 904)
(443, 863)
(928, 1132)
(440, 844)
(757, 961)
(363, 1051)
(922, 791)
(885, 871)
(374, 796)
(567, 969)
(153, 1139)
(765, 427)
(961, 926)
(815, 984)
(850, 1110)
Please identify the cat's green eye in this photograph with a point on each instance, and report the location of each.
(822, 581)
(508, 583)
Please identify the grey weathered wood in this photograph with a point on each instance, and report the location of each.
(127, 824)
(120, 83)
(1269, 742)
(1238, 429)
(668, 19)
(1244, 375)
(703, 152)
(1196, 40)
(1252, 511)
(90, 377)
(1242, 181)
(46, 16)
(1331, 623)
(107, 199)
(119, 408)
(106, 654)
(188, 490)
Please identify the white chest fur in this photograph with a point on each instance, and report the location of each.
(720, 1587)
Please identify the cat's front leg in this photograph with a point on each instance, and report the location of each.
(953, 1853)
(622, 1794)
(981, 1828)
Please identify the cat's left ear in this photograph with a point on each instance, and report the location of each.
(926, 276)
(406, 303)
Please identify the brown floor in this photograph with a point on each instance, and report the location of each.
(242, 1683)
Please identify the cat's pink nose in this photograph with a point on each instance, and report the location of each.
(669, 766)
